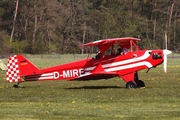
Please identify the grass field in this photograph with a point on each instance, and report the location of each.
(93, 100)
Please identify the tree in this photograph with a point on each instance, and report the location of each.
(14, 21)
(59, 26)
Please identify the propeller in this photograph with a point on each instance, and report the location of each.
(166, 52)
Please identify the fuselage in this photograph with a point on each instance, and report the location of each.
(117, 64)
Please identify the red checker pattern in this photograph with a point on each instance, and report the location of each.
(12, 72)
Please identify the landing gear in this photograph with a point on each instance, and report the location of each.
(131, 84)
(136, 83)
(16, 85)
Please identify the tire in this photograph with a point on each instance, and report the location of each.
(131, 84)
(140, 83)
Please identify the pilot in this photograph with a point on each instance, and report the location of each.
(98, 55)
(119, 51)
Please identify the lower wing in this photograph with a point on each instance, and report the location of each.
(96, 76)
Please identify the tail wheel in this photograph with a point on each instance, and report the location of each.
(131, 84)
(16, 85)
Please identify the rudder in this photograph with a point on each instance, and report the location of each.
(17, 67)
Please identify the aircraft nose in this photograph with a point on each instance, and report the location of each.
(167, 52)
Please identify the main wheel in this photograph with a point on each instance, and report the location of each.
(131, 84)
(140, 83)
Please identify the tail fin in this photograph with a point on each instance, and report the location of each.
(17, 67)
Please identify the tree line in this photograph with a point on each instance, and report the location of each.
(59, 26)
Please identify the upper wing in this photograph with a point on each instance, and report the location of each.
(123, 42)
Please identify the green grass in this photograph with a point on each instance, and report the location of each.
(93, 100)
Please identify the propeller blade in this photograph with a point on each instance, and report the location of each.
(166, 52)
(165, 63)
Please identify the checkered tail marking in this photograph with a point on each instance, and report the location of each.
(13, 72)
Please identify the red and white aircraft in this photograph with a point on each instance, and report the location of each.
(125, 64)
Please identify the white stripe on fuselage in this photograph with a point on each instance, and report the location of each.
(129, 66)
(143, 57)
(129, 61)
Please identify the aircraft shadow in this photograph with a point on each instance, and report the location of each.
(23, 87)
(96, 87)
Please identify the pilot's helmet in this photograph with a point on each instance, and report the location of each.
(120, 50)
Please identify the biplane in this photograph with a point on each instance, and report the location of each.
(125, 64)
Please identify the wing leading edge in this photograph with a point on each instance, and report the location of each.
(123, 42)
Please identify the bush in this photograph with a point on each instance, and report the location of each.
(4, 42)
(18, 46)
